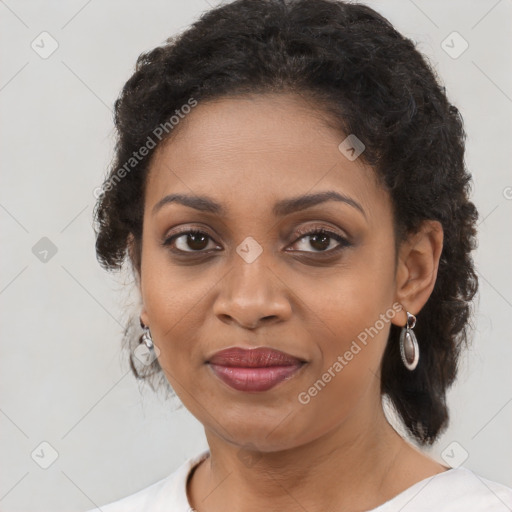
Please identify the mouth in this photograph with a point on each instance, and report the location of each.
(256, 369)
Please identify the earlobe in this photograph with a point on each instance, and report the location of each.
(144, 318)
(418, 262)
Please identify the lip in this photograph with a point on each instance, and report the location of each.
(257, 369)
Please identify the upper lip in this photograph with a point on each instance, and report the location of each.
(253, 358)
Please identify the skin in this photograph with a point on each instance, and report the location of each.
(268, 450)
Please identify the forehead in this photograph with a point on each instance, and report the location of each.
(245, 151)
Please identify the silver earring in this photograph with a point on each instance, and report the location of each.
(409, 349)
(146, 338)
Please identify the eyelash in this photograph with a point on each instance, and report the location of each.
(302, 233)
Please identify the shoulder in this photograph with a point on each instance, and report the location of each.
(473, 492)
(157, 497)
(453, 490)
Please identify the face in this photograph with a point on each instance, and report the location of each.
(312, 279)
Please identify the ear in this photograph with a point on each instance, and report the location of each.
(144, 316)
(418, 262)
(135, 264)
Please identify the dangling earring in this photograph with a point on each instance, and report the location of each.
(409, 349)
(146, 336)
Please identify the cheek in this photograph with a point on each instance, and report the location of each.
(173, 299)
(352, 297)
(356, 308)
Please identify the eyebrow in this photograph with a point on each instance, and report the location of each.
(281, 208)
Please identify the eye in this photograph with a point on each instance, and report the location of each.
(196, 241)
(322, 241)
(190, 241)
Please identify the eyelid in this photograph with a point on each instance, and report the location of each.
(181, 230)
(306, 230)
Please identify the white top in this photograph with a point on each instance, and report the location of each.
(456, 489)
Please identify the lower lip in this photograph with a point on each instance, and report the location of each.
(253, 379)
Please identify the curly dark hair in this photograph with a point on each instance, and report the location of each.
(349, 61)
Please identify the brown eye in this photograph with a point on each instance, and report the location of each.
(189, 241)
(321, 240)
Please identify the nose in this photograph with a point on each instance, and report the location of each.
(251, 295)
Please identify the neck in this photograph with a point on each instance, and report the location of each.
(353, 465)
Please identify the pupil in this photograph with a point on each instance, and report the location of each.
(197, 241)
(323, 239)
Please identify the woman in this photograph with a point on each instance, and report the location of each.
(290, 191)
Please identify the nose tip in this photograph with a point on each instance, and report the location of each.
(248, 325)
(265, 320)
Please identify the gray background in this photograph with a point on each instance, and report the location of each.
(63, 377)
